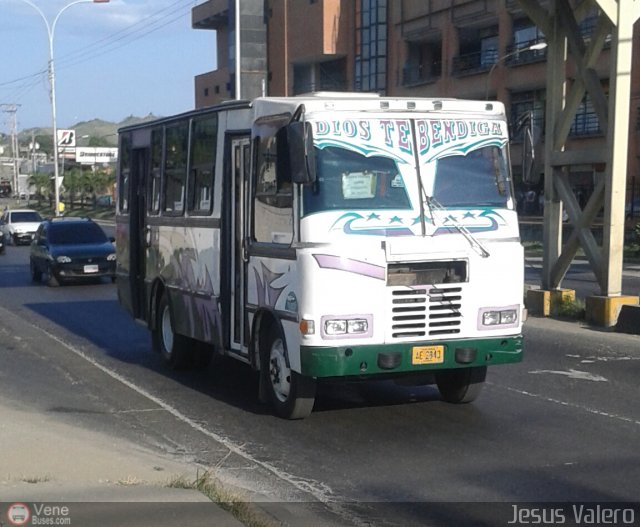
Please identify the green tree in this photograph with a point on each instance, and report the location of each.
(74, 183)
(46, 143)
(42, 183)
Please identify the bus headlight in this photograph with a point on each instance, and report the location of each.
(492, 318)
(335, 327)
(356, 326)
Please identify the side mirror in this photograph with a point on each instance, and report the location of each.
(302, 160)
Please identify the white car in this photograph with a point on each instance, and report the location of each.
(19, 225)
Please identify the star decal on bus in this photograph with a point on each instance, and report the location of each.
(348, 223)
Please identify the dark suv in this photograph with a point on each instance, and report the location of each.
(71, 249)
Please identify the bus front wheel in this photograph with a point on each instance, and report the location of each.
(461, 385)
(173, 348)
(291, 394)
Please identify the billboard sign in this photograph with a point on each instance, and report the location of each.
(66, 138)
(89, 155)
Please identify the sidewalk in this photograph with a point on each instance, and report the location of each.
(99, 481)
(64, 446)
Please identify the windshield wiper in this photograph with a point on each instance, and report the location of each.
(434, 204)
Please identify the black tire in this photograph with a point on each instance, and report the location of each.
(173, 348)
(291, 394)
(52, 280)
(36, 274)
(461, 385)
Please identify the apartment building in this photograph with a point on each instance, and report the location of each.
(433, 48)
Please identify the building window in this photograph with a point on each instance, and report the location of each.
(206, 92)
(585, 122)
(478, 50)
(424, 63)
(371, 46)
(525, 35)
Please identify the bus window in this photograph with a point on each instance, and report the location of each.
(153, 198)
(203, 159)
(125, 171)
(175, 168)
(480, 178)
(273, 206)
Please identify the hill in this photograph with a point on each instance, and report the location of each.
(104, 132)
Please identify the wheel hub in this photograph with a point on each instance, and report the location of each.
(279, 372)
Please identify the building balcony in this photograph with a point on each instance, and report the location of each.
(213, 14)
(415, 75)
(322, 85)
(517, 54)
(472, 63)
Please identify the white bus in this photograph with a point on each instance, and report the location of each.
(329, 236)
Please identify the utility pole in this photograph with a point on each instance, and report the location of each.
(12, 109)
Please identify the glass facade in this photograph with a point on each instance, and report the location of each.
(371, 46)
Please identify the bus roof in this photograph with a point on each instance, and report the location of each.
(342, 102)
(365, 102)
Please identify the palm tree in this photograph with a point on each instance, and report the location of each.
(42, 183)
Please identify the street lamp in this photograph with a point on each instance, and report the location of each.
(51, 28)
(533, 47)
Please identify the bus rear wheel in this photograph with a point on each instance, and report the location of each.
(461, 385)
(173, 348)
(291, 394)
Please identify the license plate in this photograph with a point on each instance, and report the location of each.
(88, 269)
(427, 355)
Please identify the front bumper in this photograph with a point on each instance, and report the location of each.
(391, 359)
(74, 271)
(23, 237)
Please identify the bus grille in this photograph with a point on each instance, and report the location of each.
(417, 313)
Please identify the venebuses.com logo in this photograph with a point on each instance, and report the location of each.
(18, 514)
(37, 514)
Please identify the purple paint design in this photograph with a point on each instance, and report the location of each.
(267, 294)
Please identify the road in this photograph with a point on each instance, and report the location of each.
(581, 278)
(562, 426)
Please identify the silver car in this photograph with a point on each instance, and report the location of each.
(19, 225)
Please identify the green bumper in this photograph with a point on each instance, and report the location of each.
(345, 361)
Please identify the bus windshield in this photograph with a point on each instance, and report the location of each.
(347, 180)
(478, 179)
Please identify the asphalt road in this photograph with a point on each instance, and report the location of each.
(563, 426)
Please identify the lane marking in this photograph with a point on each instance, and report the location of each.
(568, 404)
(573, 374)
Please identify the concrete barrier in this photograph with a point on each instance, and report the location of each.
(629, 320)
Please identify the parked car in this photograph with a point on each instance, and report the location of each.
(66, 249)
(1, 243)
(19, 225)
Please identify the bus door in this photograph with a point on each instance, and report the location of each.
(138, 232)
(240, 167)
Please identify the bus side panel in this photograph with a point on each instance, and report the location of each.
(186, 258)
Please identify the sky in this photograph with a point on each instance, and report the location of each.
(112, 60)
